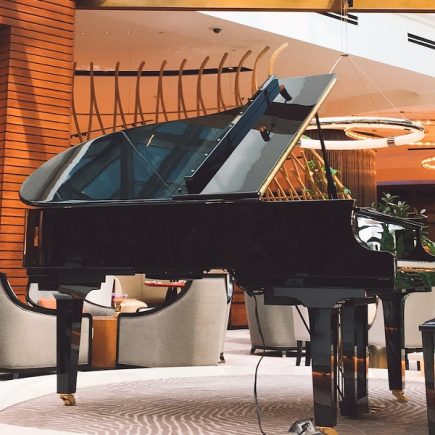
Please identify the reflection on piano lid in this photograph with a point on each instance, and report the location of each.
(234, 153)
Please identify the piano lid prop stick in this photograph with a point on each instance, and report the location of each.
(332, 190)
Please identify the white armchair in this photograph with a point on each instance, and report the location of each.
(276, 323)
(28, 338)
(418, 308)
(187, 332)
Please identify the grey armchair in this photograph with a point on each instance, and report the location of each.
(418, 307)
(188, 332)
(28, 335)
(276, 323)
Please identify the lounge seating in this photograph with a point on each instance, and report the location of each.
(45, 298)
(187, 332)
(136, 288)
(418, 307)
(99, 297)
(28, 338)
(276, 323)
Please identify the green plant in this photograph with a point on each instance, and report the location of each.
(319, 176)
(398, 242)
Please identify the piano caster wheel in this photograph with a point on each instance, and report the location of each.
(68, 399)
(327, 430)
(399, 395)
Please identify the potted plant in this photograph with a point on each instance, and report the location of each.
(390, 237)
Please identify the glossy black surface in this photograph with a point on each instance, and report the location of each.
(220, 154)
(307, 243)
(69, 321)
(324, 340)
(428, 338)
(354, 348)
(393, 308)
(170, 200)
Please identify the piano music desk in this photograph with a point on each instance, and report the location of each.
(104, 342)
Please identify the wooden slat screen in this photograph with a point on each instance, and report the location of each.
(36, 63)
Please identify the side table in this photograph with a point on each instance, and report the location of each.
(104, 342)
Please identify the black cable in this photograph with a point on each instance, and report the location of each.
(257, 405)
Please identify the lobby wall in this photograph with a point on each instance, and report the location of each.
(36, 62)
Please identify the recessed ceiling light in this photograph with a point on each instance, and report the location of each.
(216, 30)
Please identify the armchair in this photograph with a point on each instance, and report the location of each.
(187, 332)
(276, 323)
(28, 338)
(417, 308)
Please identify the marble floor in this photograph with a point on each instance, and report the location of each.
(238, 362)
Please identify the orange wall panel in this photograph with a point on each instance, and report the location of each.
(36, 62)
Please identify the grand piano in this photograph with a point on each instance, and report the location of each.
(176, 199)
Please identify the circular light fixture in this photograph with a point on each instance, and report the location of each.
(429, 163)
(412, 132)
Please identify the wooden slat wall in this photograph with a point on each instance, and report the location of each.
(36, 62)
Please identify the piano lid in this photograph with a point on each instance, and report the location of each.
(227, 154)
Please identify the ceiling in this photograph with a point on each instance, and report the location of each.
(363, 86)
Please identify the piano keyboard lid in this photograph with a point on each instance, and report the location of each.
(228, 154)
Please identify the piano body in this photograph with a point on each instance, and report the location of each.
(176, 199)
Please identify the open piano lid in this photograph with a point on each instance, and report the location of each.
(225, 155)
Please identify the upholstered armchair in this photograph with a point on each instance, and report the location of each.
(136, 287)
(187, 332)
(97, 302)
(28, 334)
(276, 323)
(418, 308)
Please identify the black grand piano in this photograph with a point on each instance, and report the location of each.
(176, 199)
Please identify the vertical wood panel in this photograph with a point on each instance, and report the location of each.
(36, 63)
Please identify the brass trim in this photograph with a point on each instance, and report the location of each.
(68, 399)
(399, 395)
(271, 5)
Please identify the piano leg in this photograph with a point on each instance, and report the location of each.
(428, 337)
(69, 321)
(394, 330)
(354, 338)
(323, 333)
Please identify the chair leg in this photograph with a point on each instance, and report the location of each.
(252, 350)
(298, 352)
(221, 357)
(307, 353)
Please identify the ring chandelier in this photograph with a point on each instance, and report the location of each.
(429, 163)
(412, 132)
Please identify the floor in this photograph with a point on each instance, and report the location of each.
(238, 362)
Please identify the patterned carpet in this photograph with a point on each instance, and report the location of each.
(212, 405)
